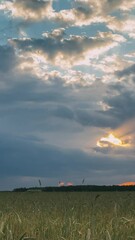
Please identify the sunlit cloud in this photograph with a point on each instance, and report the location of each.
(110, 139)
(122, 25)
(81, 13)
(110, 144)
(80, 16)
(132, 35)
(110, 64)
(30, 10)
(68, 51)
(130, 55)
(91, 11)
(127, 131)
(122, 140)
(33, 63)
(78, 78)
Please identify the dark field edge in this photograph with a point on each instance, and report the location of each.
(85, 188)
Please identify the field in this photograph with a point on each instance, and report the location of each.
(67, 216)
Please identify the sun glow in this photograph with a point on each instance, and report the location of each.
(127, 184)
(110, 139)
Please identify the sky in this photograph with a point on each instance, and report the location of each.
(67, 92)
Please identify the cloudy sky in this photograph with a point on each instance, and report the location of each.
(67, 92)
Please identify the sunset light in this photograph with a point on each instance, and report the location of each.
(127, 184)
(110, 139)
(67, 93)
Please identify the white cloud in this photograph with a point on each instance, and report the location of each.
(132, 35)
(130, 55)
(111, 63)
(78, 78)
(125, 25)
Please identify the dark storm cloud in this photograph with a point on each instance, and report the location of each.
(21, 157)
(95, 118)
(36, 101)
(29, 100)
(121, 105)
(24, 88)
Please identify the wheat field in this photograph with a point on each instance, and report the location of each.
(67, 216)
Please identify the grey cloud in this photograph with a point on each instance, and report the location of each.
(26, 158)
(36, 104)
(84, 11)
(7, 58)
(116, 151)
(120, 102)
(64, 112)
(126, 72)
(28, 91)
(69, 50)
(95, 118)
(122, 105)
(35, 5)
(33, 103)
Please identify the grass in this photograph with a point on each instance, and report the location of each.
(67, 216)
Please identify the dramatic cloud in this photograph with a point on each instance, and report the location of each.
(121, 105)
(32, 10)
(67, 80)
(83, 12)
(31, 159)
(91, 11)
(70, 51)
(110, 144)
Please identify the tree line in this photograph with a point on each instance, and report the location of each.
(78, 188)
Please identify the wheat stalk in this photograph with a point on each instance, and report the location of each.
(108, 236)
(88, 236)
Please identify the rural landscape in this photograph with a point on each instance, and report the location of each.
(67, 119)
